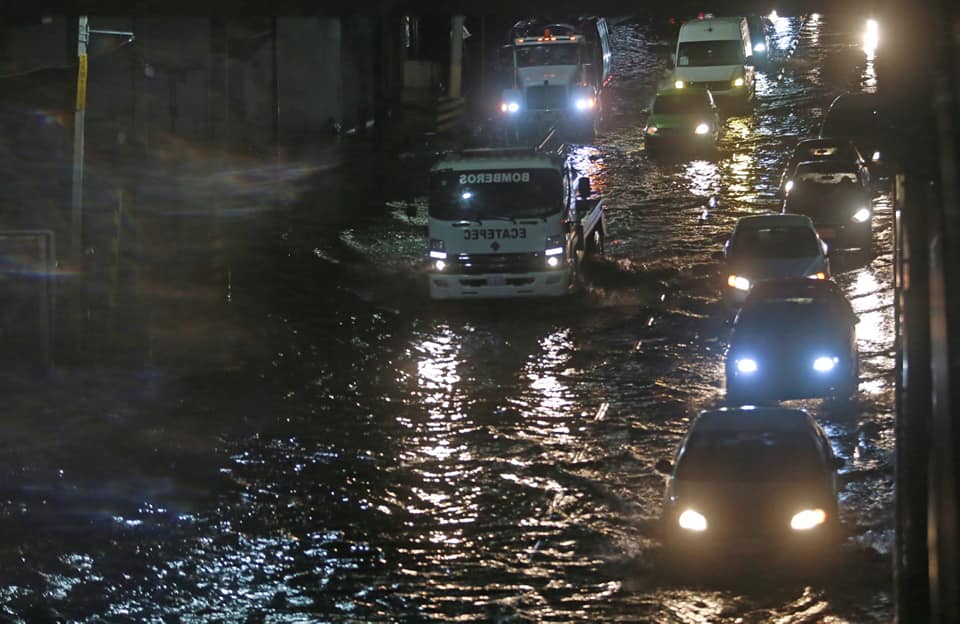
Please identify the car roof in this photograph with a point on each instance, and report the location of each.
(754, 419)
(757, 222)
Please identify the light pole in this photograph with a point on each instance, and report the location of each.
(76, 204)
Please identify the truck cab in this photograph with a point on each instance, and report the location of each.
(510, 222)
(559, 72)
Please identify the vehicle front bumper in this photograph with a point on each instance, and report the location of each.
(782, 385)
(552, 283)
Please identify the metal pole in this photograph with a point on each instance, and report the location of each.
(76, 212)
(456, 55)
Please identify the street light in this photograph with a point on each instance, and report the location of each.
(76, 211)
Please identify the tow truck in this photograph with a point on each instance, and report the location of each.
(559, 72)
(510, 222)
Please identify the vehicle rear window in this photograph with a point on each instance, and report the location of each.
(749, 456)
(710, 53)
(774, 242)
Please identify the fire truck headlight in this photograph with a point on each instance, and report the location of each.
(510, 107)
(585, 103)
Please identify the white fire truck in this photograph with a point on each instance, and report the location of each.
(514, 222)
(559, 72)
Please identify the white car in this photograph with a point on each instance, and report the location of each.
(771, 246)
(751, 481)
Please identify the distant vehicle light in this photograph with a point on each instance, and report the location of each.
(738, 282)
(747, 366)
(825, 364)
(440, 265)
(553, 262)
(438, 255)
(466, 195)
(679, 84)
(871, 37)
(819, 275)
(861, 215)
(510, 107)
(875, 157)
(738, 82)
(553, 251)
(692, 521)
(760, 48)
(585, 103)
(788, 186)
(651, 129)
(808, 519)
(702, 129)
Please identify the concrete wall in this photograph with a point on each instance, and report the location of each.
(310, 68)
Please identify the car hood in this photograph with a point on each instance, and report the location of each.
(690, 120)
(776, 268)
(739, 506)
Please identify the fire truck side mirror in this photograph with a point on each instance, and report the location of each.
(583, 187)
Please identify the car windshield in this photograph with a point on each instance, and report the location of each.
(773, 242)
(710, 53)
(749, 456)
(680, 104)
(823, 151)
(804, 316)
(547, 54)
(487, 194)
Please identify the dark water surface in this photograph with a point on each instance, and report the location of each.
(307, 438)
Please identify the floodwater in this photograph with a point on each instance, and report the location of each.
(262, 417)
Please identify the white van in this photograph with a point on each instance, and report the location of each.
(715, 53)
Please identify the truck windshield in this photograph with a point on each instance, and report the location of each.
(519, 193)
(547, 54)
(710, 53)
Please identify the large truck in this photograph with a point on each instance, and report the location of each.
(558, 75)
(509, 222)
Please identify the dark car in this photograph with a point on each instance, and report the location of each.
(837, 201)
(751, 481)
(792, 346)
(858, 118)
(760, 28)
(813, 150)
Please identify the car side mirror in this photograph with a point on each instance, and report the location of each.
(663, 466)
(583, 187)
(411, 211)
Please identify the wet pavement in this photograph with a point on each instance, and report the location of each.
(272, 422)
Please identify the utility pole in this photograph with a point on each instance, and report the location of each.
(76, 204)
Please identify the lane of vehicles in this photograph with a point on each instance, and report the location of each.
(518, 222)
(513, 222)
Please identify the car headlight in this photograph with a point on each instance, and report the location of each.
(585, 103)
(739, 282)
(825, 364)
(692, 521)
(747, 365)
(861, 215)
(440, 265)
(788, 186)
(760, 48)
(679, 84)
(808, 519)
(819, 275)
(702, 129)
(738, 82)
(510, 107)
(651, 129)
(876, 157)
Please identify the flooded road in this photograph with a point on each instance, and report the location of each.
(308, 438)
